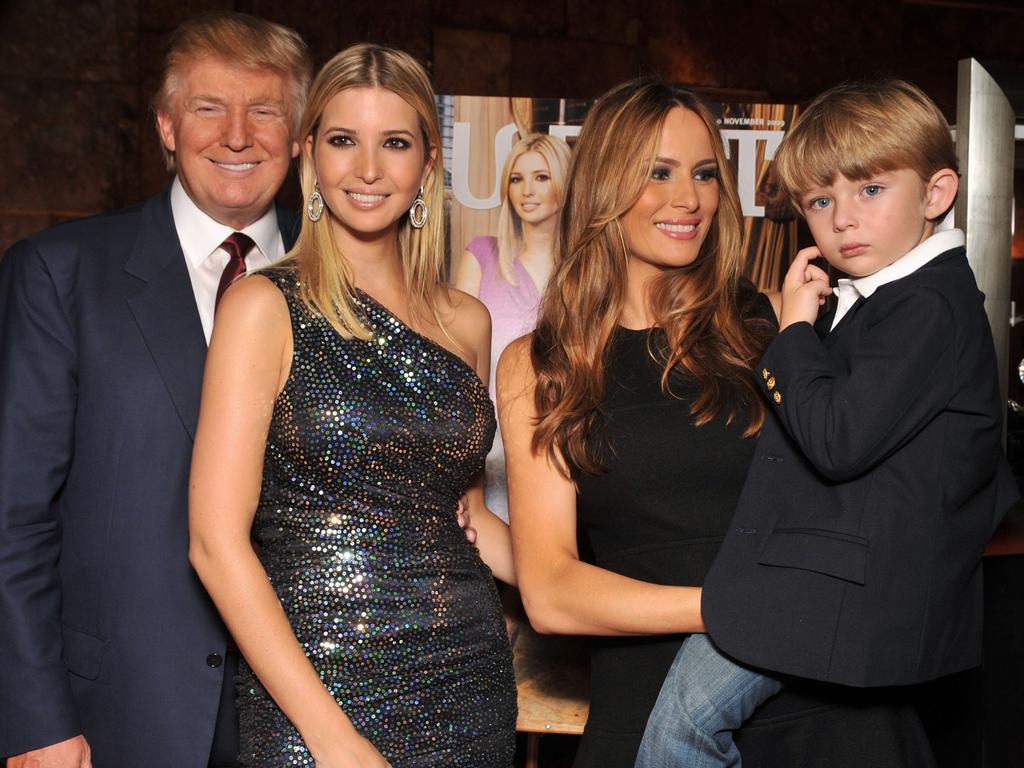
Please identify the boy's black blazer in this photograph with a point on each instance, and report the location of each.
(855, 553)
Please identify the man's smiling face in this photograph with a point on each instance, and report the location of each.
(231, 133)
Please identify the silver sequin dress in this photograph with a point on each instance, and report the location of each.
(370, 446)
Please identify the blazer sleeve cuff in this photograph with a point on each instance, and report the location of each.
(797, 344)
(36, 713)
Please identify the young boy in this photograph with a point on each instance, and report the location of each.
(855, 553)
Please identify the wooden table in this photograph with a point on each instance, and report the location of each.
(553, 681)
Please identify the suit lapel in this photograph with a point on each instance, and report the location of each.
(165, 309)
(823, 323)
(844, 322)
(289, 222)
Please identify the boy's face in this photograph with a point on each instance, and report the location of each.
(861, 226)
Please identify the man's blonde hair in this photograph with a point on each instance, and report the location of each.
(241, 40)
(860, 129)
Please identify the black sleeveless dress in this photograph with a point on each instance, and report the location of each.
(370, 446)
(658, 514)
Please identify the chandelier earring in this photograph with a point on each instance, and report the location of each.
(418, 212)
(315, 206)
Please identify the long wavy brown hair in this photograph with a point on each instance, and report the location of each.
(712, 333)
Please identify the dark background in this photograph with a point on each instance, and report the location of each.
(77, 137)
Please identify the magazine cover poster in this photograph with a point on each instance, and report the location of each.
(506, 161)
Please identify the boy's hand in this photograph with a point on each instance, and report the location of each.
(803, 290)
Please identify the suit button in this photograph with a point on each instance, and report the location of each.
(765, 374)
(771, 382)
(214, 660)
(777, 397)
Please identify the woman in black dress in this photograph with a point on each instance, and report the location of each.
(630, 418)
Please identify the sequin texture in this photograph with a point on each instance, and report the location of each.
(370, 446)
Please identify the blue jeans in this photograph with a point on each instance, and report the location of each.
(704, 698)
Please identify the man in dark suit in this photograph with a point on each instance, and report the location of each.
(109, 646)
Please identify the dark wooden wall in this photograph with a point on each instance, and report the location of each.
(76, 134)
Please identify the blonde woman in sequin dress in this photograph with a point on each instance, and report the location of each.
(344, 412)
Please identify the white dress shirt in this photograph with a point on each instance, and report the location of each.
(851, 289)
(200, 237)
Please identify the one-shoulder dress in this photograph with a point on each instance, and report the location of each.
(658, 513)
(370, 446)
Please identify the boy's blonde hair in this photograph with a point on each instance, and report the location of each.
(860, 129)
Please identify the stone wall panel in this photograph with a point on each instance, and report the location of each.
(68, 146)
(44, 39)
(535, 18)
(470, 62)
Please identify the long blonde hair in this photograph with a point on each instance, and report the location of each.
(706, 309)
(325, 275)
(510, 227)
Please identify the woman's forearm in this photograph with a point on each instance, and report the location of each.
(495, 544)
(561, 593)
(239, 586)
(573, 597)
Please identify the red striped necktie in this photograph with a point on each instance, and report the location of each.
(237, 245)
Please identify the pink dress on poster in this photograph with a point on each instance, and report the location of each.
(513, 311)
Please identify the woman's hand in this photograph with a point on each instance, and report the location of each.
(563, 594)
(354, 751)
(463, 515)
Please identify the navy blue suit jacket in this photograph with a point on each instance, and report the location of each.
(855, 553)
(105, 628)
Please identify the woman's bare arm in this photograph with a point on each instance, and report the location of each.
(472, 328)
(561, 593)
(246, 367)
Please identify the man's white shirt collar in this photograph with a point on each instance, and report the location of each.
(200, 235)
(849, 289)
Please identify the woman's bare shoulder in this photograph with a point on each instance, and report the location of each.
(518, 350)
(515, 373)
(467, 318)
(253, 310)
(253, 296)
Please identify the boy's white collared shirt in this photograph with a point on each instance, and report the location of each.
(851, 289)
